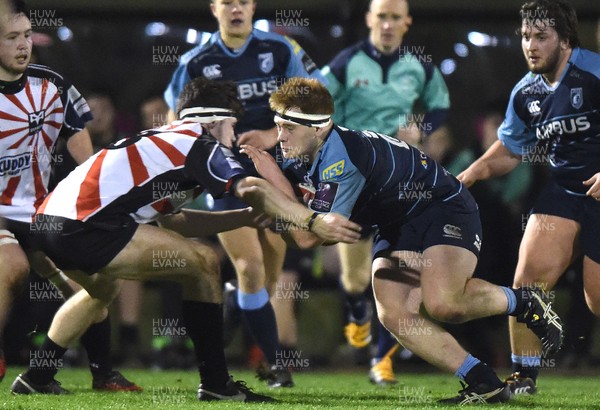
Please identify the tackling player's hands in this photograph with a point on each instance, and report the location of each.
(594, 183)
(261, 139)
(258, 219)
(334, 227)
(264, 163)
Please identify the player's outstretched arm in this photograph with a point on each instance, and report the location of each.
(312, 229)
(192, 223)
(496, 161)
(305, 238)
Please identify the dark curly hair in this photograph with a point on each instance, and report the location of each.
(557, 14)
(201, 92)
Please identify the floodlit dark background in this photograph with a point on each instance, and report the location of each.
(112, 45)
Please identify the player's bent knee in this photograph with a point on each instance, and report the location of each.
(104, 289)
(446, 312)
(207, 262)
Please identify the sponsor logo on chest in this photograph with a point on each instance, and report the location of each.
(36, 121)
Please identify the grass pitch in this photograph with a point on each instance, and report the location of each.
(166, 390)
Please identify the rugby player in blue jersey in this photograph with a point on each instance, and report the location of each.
(428, 233)
(553, 111)
(258, 62)
(376, 84)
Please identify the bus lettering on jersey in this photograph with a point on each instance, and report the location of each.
(333, 171)
(560, 127)
(247, 91)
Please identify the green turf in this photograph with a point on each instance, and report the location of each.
(177, 390)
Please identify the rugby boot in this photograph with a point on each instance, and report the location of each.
(541, 319)
(233, 390)
(24, 385)
(521, 385)
(479, 394)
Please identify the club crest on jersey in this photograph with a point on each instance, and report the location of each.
(333, 171)
(266, 62)
(36, 121)
(577, 97)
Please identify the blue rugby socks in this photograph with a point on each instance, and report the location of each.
(475, 372)
(260, 318)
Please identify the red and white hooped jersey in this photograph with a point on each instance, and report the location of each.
(34, 111)
(141, 178)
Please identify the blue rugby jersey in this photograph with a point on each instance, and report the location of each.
(563, 121)
(375, 179)
(258, 68)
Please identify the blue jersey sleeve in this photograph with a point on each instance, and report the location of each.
(340, 184)
(178, 81)
(339, 194)
(180, 77)
(513, 132)
(351, 185)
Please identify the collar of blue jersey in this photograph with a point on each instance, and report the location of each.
(308, 120)
(205, 115)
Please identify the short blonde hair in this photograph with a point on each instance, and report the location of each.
(306, 94)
